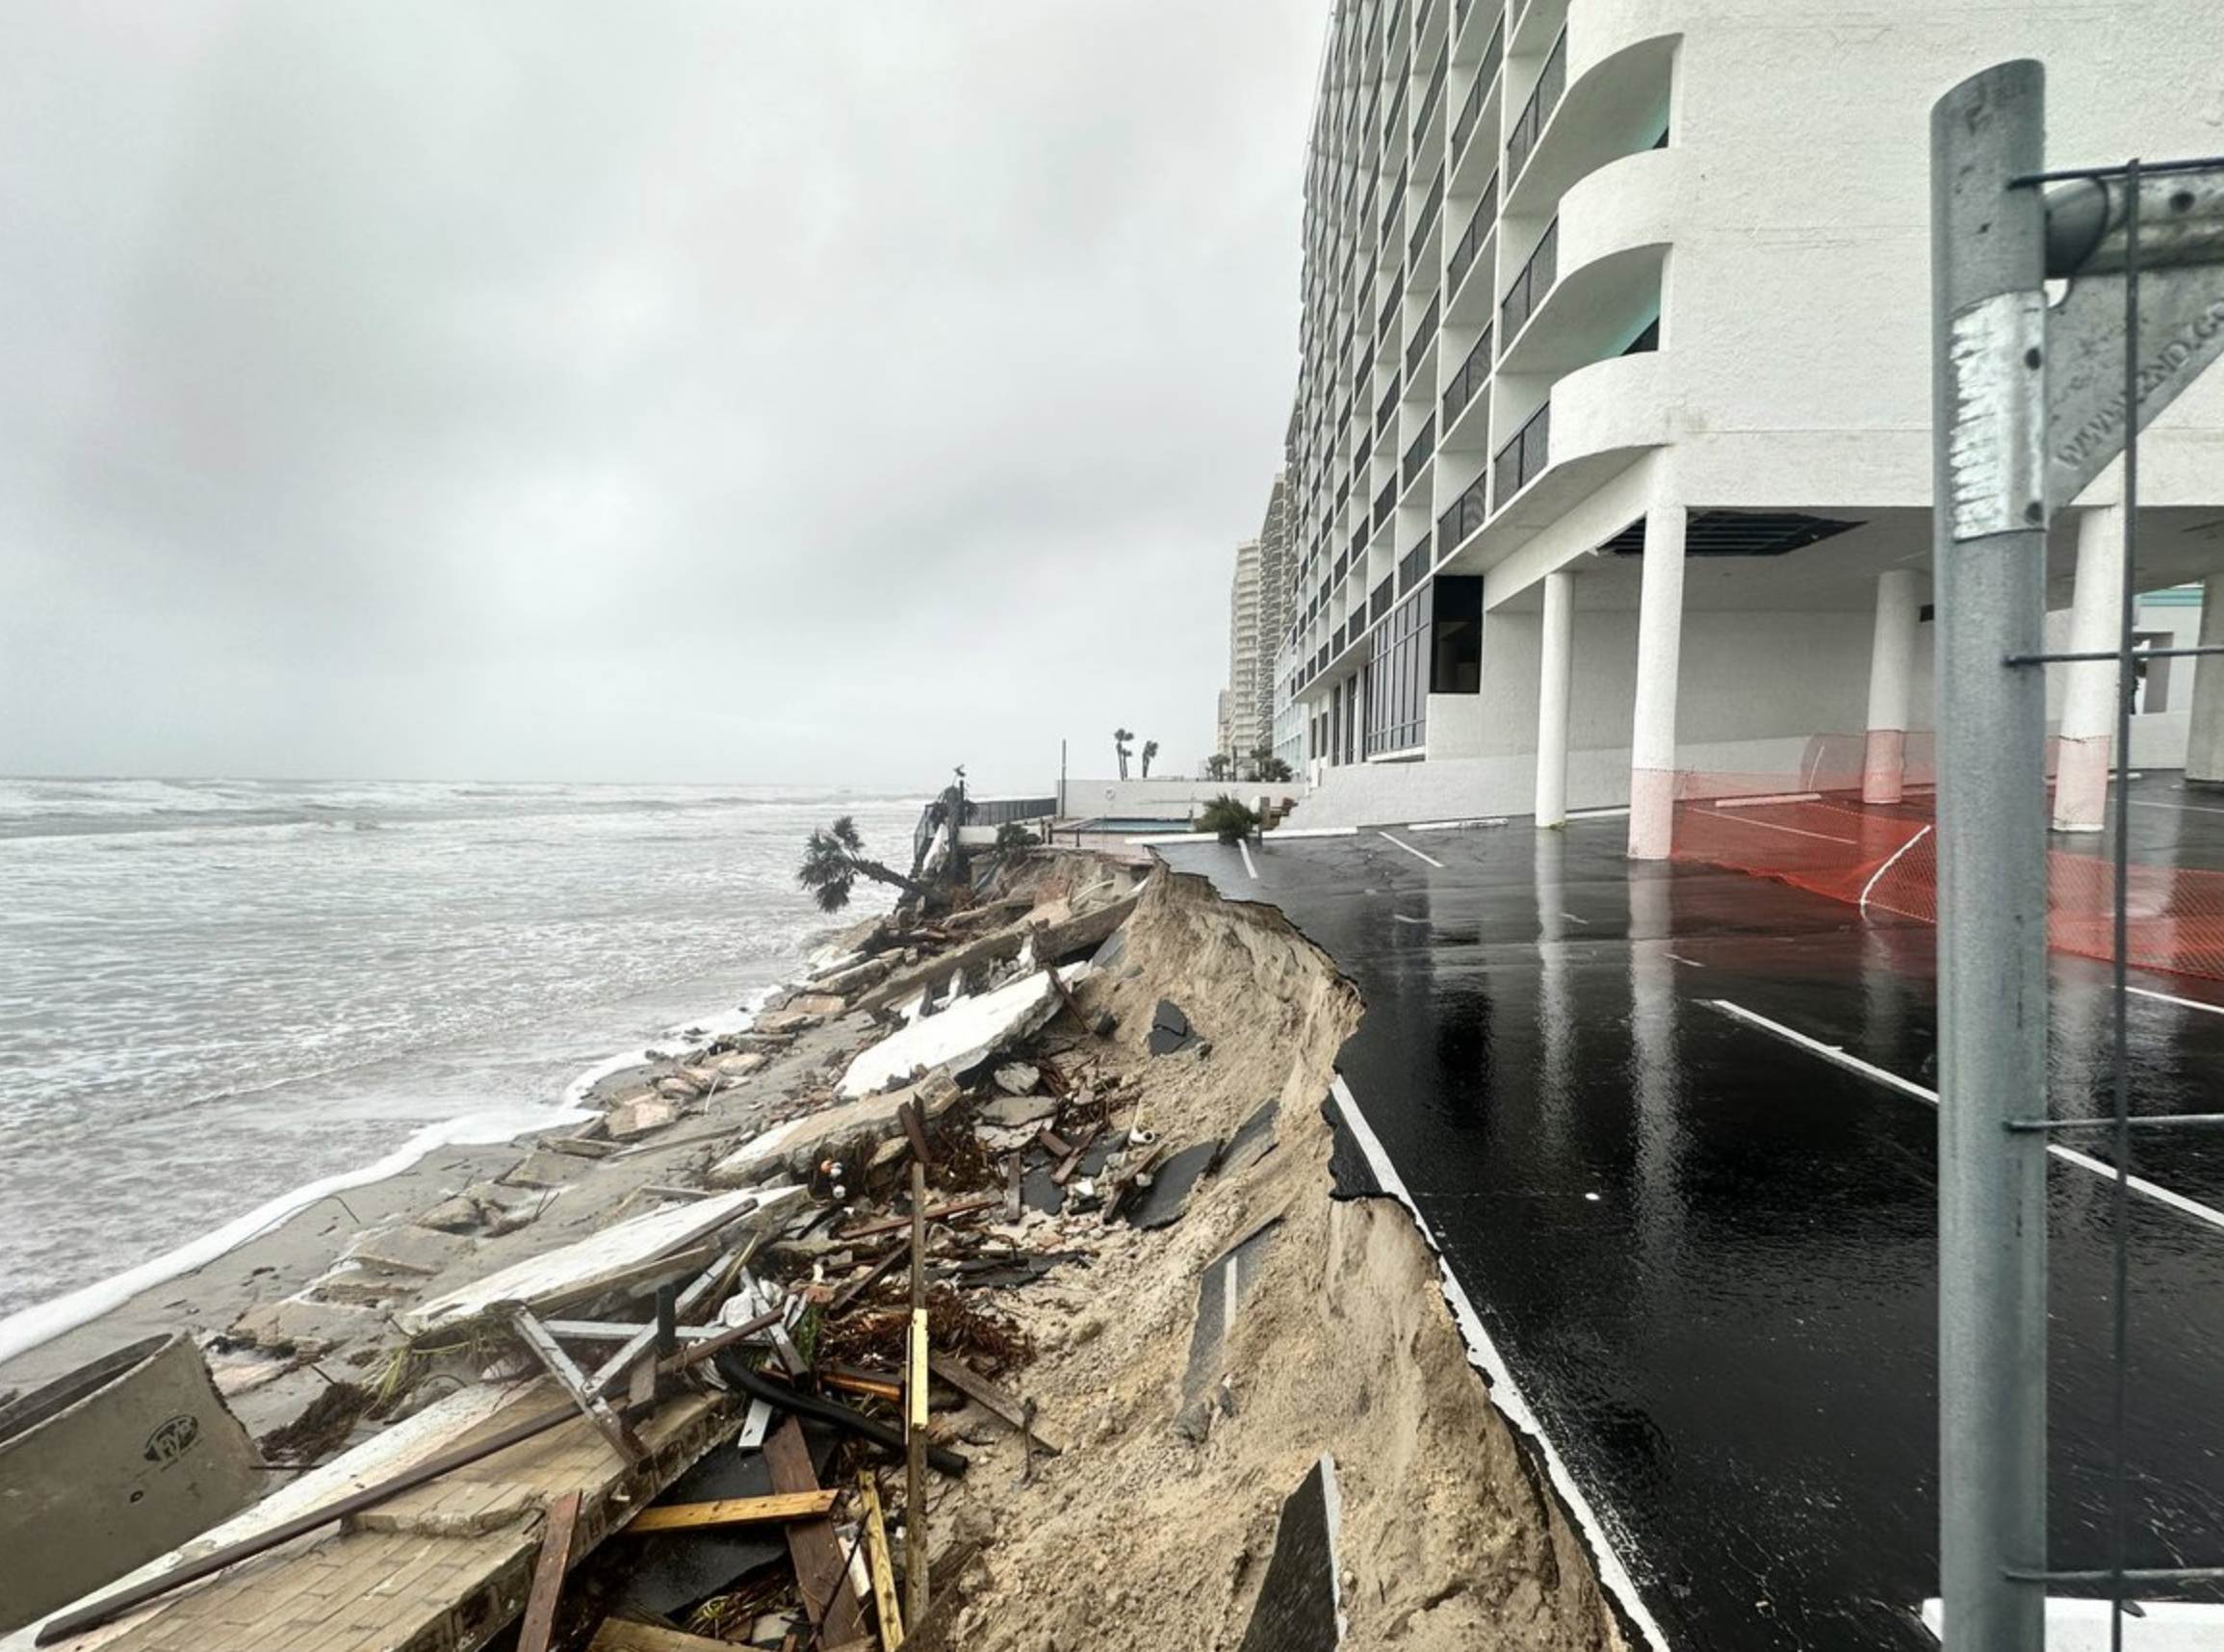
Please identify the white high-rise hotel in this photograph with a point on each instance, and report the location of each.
(1613, 452)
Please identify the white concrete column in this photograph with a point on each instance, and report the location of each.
(1660, 629)
(2205, 744)
(1891, 673)
(2090, 690)
(1555, 680)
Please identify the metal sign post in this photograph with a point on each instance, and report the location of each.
(2031, 404)
(1988, 319)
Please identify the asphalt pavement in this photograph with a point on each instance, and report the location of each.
(1669, 1127)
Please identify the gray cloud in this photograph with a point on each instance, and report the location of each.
(726, 391)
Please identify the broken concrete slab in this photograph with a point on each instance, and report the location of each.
(359, 1287)
(1170, 1029)
(564, 1273)
(638, 1119)
(1010, 1112)
(408, 1249)
(542, 1169)
(775, 1021)
(962, 1036)
(1018, 1078)
(1109, 956)
(1160, 1204)
(800, 1140)
(1057, 943)
(459, 1215)
(820, 1004)
(451, 1509)
(300, 1326)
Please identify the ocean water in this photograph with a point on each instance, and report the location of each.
(215, 994)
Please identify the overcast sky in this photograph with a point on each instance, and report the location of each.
(728, 391)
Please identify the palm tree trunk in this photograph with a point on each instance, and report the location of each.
(881, 874)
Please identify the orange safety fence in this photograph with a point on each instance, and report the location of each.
(1883, 857)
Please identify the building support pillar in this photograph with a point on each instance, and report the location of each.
(1891, 671)
(2205, 739)
(1660, 622)
(1555, 680)
(2090, 690)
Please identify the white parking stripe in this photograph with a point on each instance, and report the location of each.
(1411, 850)
(2181, 807)
(1248, 864)
(2173, 998)
(1831, 1052)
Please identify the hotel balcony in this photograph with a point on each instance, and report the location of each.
(1595, 424)
(1595, 282)
(1583, 115)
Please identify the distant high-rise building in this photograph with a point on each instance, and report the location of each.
(1259, 605)
(1247, 665)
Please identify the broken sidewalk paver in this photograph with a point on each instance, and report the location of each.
(562, 1273)
(962, 1036)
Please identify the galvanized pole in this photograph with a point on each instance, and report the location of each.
(1989, 341)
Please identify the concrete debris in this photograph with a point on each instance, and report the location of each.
(638, 1119)
(303, 1328)
(543, 1169)
(963, 1036)
(1011, 1112)
(797, 1145)
(1018, 1078)
(409, 1248)
(459, 1215)
(573, 1271)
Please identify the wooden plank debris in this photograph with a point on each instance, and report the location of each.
(821, 1573)
(1071, 1162)
(406, 1456)
(916, 1132)
(883, 1567)
(548, 1574)
(872, 1276)
(949, 1212)
(915, 1415)
(713, 1283)
(772, 1510)
(622, 1635)
(597, 1409)
(1004, 1406)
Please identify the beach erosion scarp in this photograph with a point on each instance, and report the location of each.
(1132, 1250)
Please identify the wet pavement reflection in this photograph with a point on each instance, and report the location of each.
(1708, 1254)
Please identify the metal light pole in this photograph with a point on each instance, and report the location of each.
(1988, 309)
(2031, 404)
